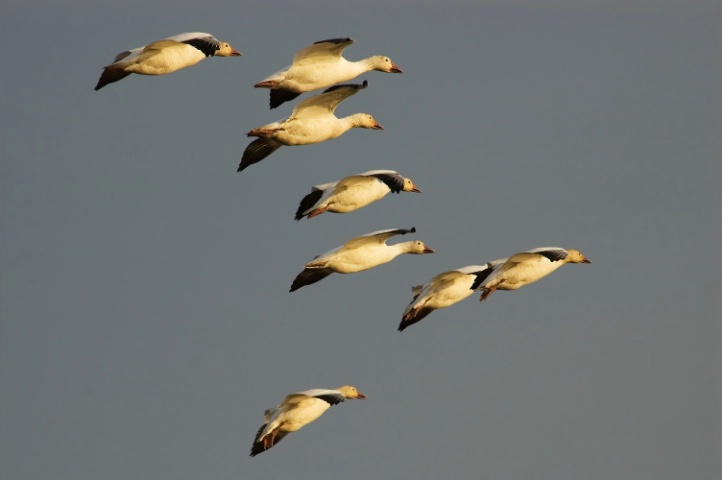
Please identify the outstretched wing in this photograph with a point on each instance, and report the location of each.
(325, 103)
(256, 151)
(379, 236)
(323, 50)
(309, 276)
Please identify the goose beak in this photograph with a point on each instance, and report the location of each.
(586, 260)
(361, 395)
(395, 69)
(235, 53)
(429, 249)
(415, 189)
(377, 127)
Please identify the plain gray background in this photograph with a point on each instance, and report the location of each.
(146, 319)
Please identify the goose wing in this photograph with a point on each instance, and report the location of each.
(325, 103)
(323, 50)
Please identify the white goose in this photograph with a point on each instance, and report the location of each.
(318, 66)
(358, 254)
(444, 290)
(165, 56)
(353, 192)
(295, 411)
(527, 267)
(312, 121)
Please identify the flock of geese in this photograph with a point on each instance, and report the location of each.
(321, 65)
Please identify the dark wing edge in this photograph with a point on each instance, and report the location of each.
(482, 275)
(258, 446)
(279, 96)
(335, 40)
(309, 276)
(207, 45)
(394, 182)
(355, 86)
(553, 255)
(256, 151)
(307, 202)
(331, 398)
(414, 316)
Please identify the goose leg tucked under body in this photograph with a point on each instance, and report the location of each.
(296, 411)
(444, 290)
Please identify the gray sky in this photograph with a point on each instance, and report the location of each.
(146, 319)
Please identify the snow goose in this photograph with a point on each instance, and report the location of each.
(358, 254)
(353, 192)
(318, 66)
(165, 56)
(312, 121)
(444, 290)
(527, 267)
(295, 411)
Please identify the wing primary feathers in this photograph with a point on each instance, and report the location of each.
(308, 202)
(553, 255)
(309, 276)
(256, 151)
(335, 40)
(280, 96)
(207, 45)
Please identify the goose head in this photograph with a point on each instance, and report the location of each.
(410, 187)
(227, 51)
(575, 256)
(417, 247)
(351, 392)
(384, 64)
(365, 120)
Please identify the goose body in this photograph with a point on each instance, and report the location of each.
(359, 254)
(312, 121)
(444, 290)
(295, 411)
(318, 66)
(527, 267)
(165, 56)
(353, 192)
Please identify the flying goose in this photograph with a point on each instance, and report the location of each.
(359, 254)
(527, 267)
(295, 411)
(165, 56)
(312, 121)
(319, 66)
(444, 290)
(353, 192)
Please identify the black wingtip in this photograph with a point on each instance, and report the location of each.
(278, 97)
(335, 40)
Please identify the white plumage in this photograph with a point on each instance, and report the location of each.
(444, 290)
(295, 411)
(319, 66)
(165, 56)
(353, 192)
(524, 268)
(312, 121)
(359, 254)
